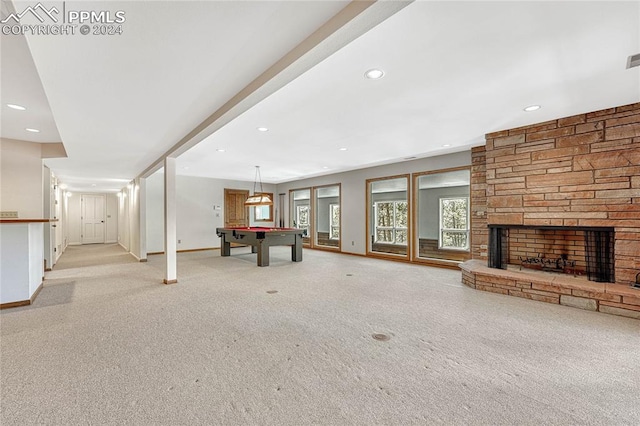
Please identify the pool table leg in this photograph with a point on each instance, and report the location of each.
(296, 249)
(263, 253)
(225, 250)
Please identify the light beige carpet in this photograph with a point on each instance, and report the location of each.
(291, 344)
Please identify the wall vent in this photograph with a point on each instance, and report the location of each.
(633, 61)
(8, 214)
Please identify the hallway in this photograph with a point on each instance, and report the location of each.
(78, 256)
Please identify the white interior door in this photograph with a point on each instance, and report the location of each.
(92, 219)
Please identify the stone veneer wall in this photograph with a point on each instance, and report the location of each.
(582, 170)
(479, 231)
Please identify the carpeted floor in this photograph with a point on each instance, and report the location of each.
(292, 344)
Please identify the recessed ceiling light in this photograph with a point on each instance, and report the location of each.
(342, 149)
(18, 107)
(532, 108)
(220, 149)
(186, 167)
(93, 184)
(446, 145)
(263, 129)
(33, 130)
(374, 74)
(325, 167)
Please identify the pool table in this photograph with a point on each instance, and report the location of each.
(260, 239)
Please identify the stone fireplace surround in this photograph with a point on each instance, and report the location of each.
(575, 172)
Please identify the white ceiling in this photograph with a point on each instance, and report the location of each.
(20, 84)
(454, 71)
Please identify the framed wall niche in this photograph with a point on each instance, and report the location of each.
(327, 217)
(300, 214)
(441, 216)
(388, 217)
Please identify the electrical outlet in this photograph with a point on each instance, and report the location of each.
(179, 241)
(353, 243)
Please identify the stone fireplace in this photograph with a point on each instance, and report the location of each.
(556, 212)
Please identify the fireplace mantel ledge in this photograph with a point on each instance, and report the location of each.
(480, 267)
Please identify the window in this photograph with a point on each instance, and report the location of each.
(454, 223)
(302, 218)
(334, 221)
(263, 213)
(391, 222)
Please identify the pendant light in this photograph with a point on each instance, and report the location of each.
(258, 198)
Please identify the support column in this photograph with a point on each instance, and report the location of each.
(170, 236)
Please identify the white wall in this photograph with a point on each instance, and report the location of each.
(111, 219)
(21, 178)
(21, 260)
(123, 218)
(74, 223)
(196, 218)
(48, 213)
(353, 209)
(137, 206)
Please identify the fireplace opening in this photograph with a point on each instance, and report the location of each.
(571, 250)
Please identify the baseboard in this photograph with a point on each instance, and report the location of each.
(22, 302)
(185, 251)
(138, 258)
(15, 304)
(352, 254)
